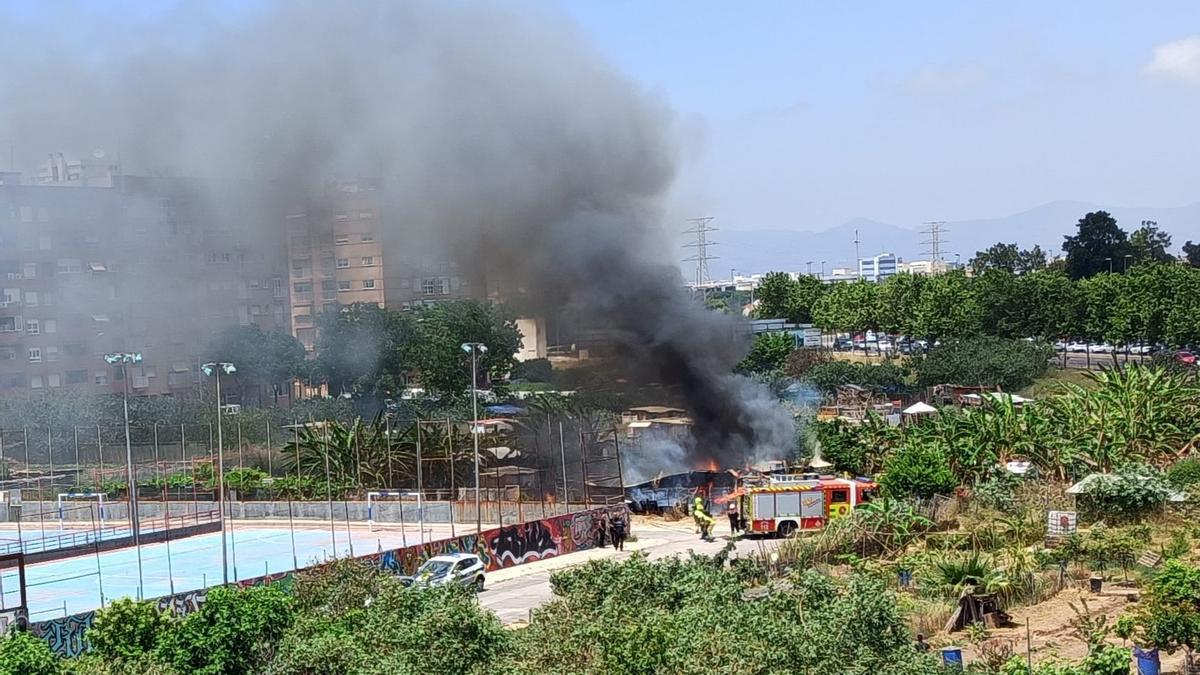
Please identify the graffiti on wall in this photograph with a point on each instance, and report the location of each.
(65, 635)
(497, 548)
(517, 544)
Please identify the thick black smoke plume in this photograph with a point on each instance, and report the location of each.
(496, 133)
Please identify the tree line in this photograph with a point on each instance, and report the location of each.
(1108, 287)
(369, 351)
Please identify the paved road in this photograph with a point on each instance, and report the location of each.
(514, 592)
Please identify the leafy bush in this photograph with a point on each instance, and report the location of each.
(998, 492)
(235, 631)
(987, 361)
(800, 361)
(24, 654)
(1170, 616)
(534, 370)
(127, 629)
(1185, 473)
(828, 376)
(354, 618)
(1132, 492)
(244, 479)
(918, 469)
(768, 353)
(688, 616)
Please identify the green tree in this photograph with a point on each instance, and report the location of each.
(262, 358)
(849, 306)
(768, 354)
(127, 629)
(779, 296)
(947, 308)
(364, 349)
(1150, 244)
(900, 302)
(1008, 258)
(442, 329)
(1098, 246)
(999, 256)
(1192, 253)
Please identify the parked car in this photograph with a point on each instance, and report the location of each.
(1077, 347)
(1186, 358)
(464, 569)
(1102, 348)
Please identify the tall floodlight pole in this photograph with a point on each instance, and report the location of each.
(474, 349)
(214, 369)
(123, 360)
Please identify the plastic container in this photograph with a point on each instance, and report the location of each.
(952, 658)
(1147, 661)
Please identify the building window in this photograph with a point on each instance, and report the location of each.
(435, 286)
(368, 261)
(367, 238)
(8, 324)
(343, 263)
(30, 270)
(74, 349)
(54, 380)
(101, 378)
(303, 319)
(343, 285)
(69, 266)
(8, 354)
(31, 298)
(32, 327)
(10, 296)
(303, 287)
(51, 326)
(26, 214)
(368, 284)
(44, 243)
(277, 287)
(35, 355)
(35, 382)
(78, 376)
(51, 354)
(341, 217)
(48, 299)
(341, 239)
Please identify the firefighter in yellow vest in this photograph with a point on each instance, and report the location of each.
(703, 520)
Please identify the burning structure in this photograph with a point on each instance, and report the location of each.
(495, 137)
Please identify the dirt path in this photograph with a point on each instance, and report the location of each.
(1052, 635)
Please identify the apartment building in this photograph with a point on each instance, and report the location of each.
(92, 264)
(334, 253)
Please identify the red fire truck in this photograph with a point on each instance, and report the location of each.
(783, 504)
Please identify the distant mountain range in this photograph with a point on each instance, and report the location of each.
(756, 251)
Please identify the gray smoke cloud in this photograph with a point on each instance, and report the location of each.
(497, 135)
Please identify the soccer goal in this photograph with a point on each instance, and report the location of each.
(373, 499)
(66, 496)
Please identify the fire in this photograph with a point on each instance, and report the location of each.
(711, 466)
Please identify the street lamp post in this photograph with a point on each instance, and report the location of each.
(822, 270)
(1125, 263)
(135, 524)
(474, 349)
(1109, 260)
(215, 369)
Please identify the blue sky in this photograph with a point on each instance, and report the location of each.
(806, 114)
(803, 115)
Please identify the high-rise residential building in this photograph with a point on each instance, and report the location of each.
(878, 268)
(335, 255)
(92, 262)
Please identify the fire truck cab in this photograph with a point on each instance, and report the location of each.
(783, 504)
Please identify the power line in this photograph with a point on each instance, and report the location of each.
(701, 229)
(934, 232)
